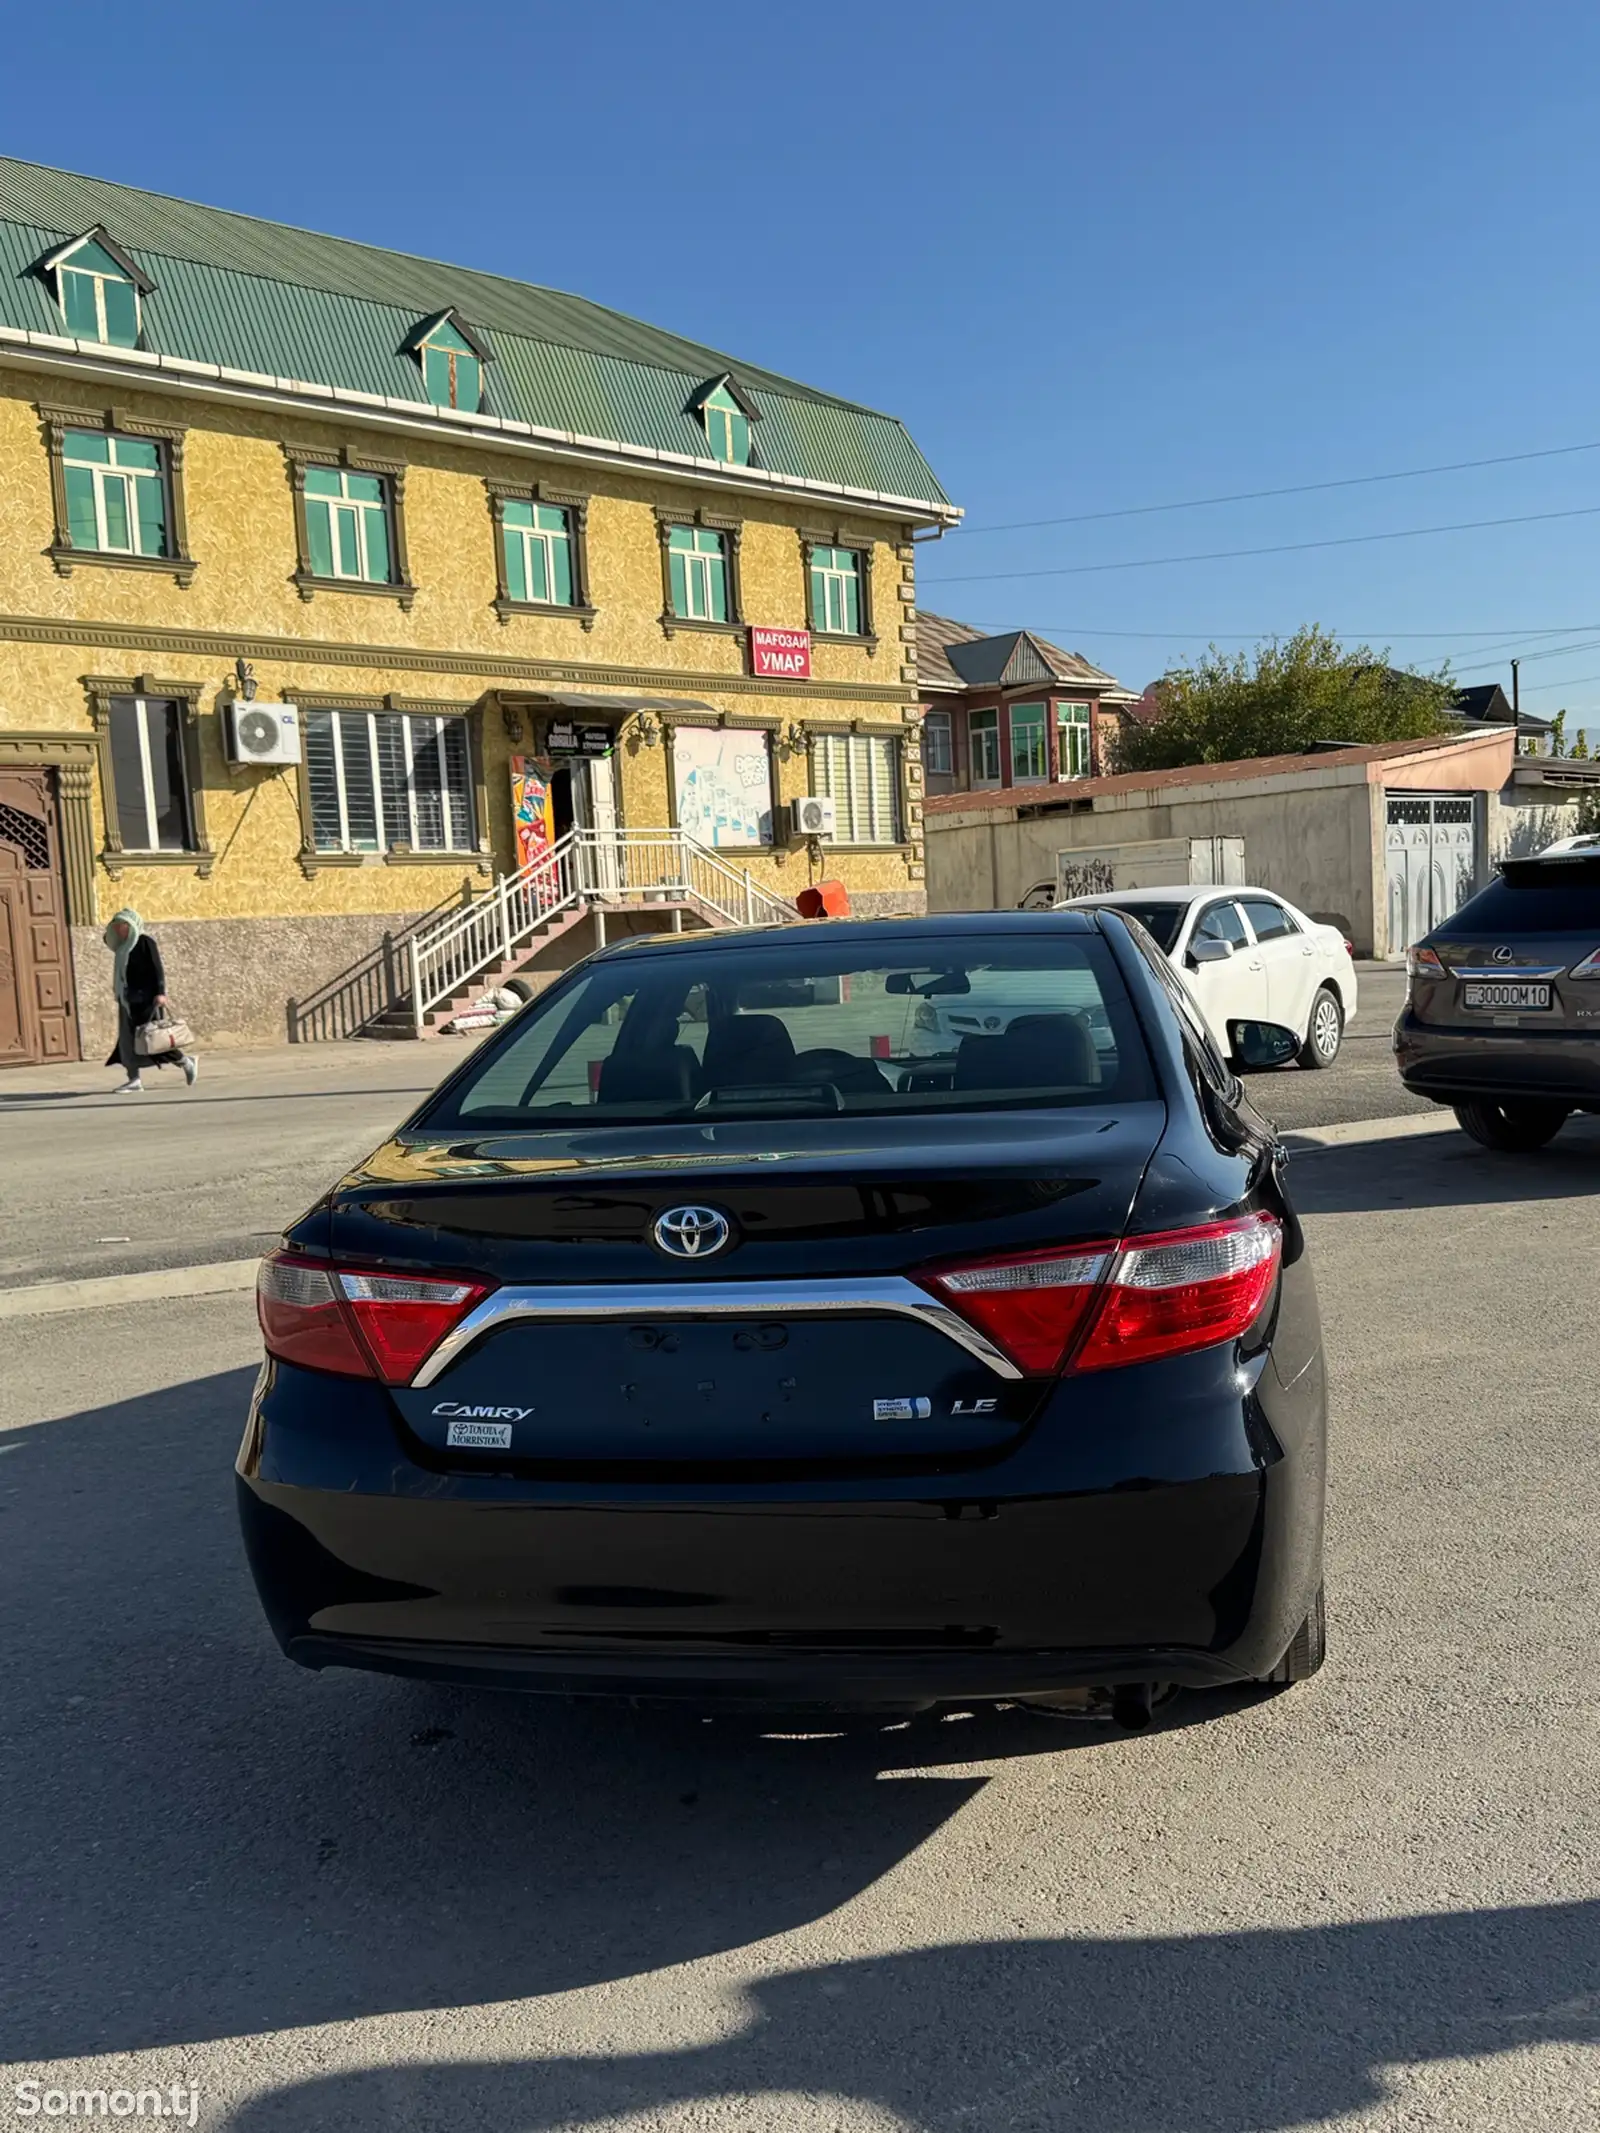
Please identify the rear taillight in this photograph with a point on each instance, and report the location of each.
(1588, 968)
(357, 1323)
(1422, 962)
(1098, 1306)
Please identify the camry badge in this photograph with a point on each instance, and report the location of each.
(692, 1232)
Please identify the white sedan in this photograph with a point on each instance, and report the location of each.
(1247, 955)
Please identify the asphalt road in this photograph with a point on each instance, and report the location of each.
(336, 1902)
(97, 1183)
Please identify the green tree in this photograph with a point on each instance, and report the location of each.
(1558, 734)
(1280, 699)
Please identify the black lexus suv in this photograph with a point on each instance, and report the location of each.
(1502, 1013)
(717, 1332)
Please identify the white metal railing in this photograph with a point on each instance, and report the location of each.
(608, 869)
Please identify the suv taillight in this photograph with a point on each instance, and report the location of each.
(1098, 1306)
(1423, 962)
(355, 1322)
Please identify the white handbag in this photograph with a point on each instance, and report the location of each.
(166, 1033)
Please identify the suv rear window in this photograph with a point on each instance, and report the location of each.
(1558, 896)
(796, 1027)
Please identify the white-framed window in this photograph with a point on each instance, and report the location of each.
(938, 755)
(149, 776)
(1072, 740)
(836, 591)
(1028, 759)
(698, 561)
(117, 502)
(382, 779)
(537, 541)
(860, 774)
(727, 428)
(347, 525)
(99, 300)
(983, 741)
(452, 371)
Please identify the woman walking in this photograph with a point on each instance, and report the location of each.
(140, 984)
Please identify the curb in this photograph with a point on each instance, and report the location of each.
(97, 1292)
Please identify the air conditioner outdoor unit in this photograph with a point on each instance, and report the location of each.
(811, 818)
(262, 734)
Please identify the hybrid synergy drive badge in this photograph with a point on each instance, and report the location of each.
(901, 1410)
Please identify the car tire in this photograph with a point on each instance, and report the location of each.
(1515, 1125)
(1308, 1647)
(1324, 1030)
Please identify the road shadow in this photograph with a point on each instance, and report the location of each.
(204, 1841)
(1182, 2035)
(1444, 1169)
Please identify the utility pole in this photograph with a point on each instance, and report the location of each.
(1516, 692)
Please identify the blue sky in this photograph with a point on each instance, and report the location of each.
(1095, 257)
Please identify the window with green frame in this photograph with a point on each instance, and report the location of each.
(727, 428)
(117, 499)
(98, 299)
(452, 373)
(836, 591)
(1072, 740)
(698, 565)
(347, 525)
(1028, 761)
(536, 541)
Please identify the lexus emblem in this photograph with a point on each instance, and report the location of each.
(692, 1232)
(1502, 955)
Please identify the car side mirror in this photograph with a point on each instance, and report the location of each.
(1207, 950)
(1262, 1044)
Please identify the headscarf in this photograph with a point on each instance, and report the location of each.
(122, 949)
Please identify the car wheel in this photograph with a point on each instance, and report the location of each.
(1308, 1647)
(1514, 1125)
(1324, 1030)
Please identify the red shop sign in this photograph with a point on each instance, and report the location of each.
(784, 654)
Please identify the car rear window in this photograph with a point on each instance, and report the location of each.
(1160, 921)
(796, 1027)
(1557, 896)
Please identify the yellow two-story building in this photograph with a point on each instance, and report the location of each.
(373, 626)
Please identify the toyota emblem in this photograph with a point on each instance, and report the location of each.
(692, 1232)
(1502, 955)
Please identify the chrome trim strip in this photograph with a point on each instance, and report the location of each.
(890, 1293)
(1505, 973)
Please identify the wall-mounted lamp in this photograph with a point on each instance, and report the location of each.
(512, 724)
(794, 735)
(245, 676)
(647, 729)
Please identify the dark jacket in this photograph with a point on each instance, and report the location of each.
(147, 981)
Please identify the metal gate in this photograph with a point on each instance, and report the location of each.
(1431, 861)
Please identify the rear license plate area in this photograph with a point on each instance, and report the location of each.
(1504, 998)
(720, 1389)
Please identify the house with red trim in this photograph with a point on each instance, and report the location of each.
(1011, 709)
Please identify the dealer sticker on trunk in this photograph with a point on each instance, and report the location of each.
(901, 1410)
(483, 1436)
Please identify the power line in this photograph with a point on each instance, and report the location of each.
(1304, 488)
(1225, 555)
(1095, 629)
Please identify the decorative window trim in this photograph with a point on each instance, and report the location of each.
(713, 522)
(305, 579)
(576, 505)
(73, 758)
(699, 406)
(49, 270)
(55, 422)
(421, 337)
(811, 539)
(312, 861)
(100, 689)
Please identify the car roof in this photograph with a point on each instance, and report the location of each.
(1187, 892)
(891, 935)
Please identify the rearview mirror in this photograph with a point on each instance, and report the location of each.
(942, 985)
(1262, 1044)
(1207, 950)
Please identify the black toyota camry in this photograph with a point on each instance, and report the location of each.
(867, 1314)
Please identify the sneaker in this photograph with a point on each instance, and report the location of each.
(132, 1088)
(191, 1070)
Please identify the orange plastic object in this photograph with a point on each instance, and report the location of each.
(824, 899)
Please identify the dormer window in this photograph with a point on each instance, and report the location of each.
(98, 289)
(725, 413)
(451, 357)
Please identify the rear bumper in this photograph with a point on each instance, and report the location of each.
(1169, 1530)
(1449, 1063)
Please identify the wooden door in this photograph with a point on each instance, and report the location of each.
(38, 1016)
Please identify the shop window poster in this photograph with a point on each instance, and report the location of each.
(724, 785)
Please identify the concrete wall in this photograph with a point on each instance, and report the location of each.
(1523, 820)
(1312, 842)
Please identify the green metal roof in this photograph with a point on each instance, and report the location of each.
(260, 296)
